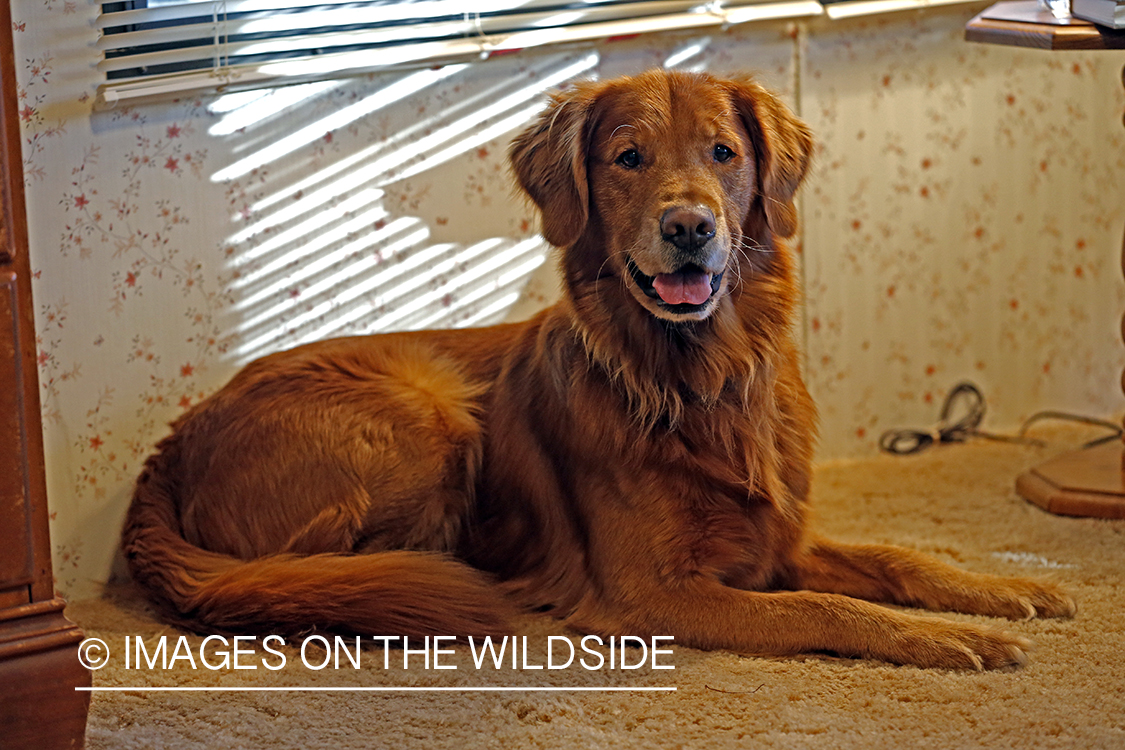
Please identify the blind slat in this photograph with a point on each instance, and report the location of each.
(856, 8)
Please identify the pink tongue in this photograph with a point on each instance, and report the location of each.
(690, 287)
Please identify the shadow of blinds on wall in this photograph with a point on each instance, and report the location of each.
(159, 49)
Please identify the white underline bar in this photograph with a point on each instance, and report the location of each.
(467, 689)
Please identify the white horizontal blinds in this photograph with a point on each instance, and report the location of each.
(157, 47)
(183, 35)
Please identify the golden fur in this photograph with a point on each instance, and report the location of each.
(634, 460)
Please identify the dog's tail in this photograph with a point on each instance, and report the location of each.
(401, 593)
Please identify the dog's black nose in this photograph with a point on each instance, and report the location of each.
(688, 227)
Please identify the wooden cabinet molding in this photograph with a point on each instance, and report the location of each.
(40, 707)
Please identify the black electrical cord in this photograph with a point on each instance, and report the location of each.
(1116, 430)
(967, 398)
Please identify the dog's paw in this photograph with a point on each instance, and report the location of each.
(940, 644)
(1024, 599)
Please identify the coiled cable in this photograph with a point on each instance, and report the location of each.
(960, 419)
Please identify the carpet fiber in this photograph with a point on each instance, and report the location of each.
(955, 502)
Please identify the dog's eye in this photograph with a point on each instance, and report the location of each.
(722, 153)
(630, 159)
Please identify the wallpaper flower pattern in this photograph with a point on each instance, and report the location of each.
(963, 219)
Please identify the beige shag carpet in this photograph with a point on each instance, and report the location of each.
(955, 502)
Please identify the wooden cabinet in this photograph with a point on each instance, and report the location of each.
(39, 667)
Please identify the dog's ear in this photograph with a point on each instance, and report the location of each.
(783, 146)
(549, 160)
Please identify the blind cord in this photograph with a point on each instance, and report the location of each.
(967, 401)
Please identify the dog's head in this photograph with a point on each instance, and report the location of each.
(672, 177)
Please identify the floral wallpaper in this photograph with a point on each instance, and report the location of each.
(963, 220)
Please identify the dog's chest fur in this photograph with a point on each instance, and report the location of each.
(685, 494)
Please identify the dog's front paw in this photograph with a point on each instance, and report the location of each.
(940, 644)
(1025, 598)
(1049, 600)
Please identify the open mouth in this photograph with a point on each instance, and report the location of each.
(685, 291)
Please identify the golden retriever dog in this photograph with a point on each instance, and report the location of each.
(633, 460)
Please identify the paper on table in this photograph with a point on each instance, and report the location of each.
(1029, 11)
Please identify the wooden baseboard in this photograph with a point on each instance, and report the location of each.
(39, 671)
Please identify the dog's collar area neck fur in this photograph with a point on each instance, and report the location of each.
(647, 284)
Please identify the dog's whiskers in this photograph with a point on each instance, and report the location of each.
(755, 246)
